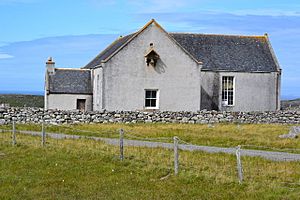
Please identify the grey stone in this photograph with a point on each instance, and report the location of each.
(294, 133)
(184, 120)
(32, 115)
(2, 121)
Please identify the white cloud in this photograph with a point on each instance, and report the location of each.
(5, 56)
(266, 12)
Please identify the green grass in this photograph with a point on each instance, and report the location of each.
(20, 100)
(288, 104)
(253, 136)
(83, 169)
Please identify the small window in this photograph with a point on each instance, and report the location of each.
(151, 99)
(227, 90)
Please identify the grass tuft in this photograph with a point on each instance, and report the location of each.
(250, 136)
(86, 169)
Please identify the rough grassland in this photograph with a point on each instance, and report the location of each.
(21, 100)
(82, 169)
(253, 136)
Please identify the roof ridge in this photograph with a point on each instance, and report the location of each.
(215, 34)
(75, 69)
(141, 30)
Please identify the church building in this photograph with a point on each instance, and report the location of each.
(155, 70)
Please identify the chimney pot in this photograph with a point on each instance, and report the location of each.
(50, 61)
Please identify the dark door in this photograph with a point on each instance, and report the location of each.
(81, 104)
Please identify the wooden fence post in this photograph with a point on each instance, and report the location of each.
(239, 164)
(43, 134)
(14, 142)
(121, 144)
(176, 156)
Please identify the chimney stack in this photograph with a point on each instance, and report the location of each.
(50, 66)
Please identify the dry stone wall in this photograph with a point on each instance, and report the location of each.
(37, 115)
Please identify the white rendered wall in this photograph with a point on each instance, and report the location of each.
(176, 75)
(68, 101)
(252, 91)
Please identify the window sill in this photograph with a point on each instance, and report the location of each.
(151, 109)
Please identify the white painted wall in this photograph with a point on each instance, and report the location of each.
(253, 91)
(68, 101)
(98, 89)
(176, 75)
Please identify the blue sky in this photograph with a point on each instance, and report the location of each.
(74, 32)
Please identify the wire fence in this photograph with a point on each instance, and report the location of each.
(218, 167)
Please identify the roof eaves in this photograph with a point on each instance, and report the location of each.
(73, 69)
(83, 93)
(225, 35)
(241, 71)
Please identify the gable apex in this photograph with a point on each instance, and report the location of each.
(121, 42)
(213, 52)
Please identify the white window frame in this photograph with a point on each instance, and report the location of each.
(156, 99)
(225, 103)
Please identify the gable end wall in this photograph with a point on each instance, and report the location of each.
(176, 75)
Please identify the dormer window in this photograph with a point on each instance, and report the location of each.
(151, 56)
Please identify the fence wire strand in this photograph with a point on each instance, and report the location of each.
(216, 168)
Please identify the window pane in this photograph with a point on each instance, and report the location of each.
(150, 98)
(227, 89)
(153, 102)
(223, 83)
(230, 101)
(148, 103)
(148, 94)
(230, 84)
(230, 98)
(153, 94)
(224, 95)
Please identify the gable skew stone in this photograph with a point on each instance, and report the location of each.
(120, 43)
(213, 52)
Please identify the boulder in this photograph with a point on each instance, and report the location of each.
(2, 121)
(294, 133)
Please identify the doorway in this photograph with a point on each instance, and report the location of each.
(81, 104)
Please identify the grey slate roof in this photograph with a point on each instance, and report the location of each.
(216, 52)
(229, 53)
(108, 51)
(70, 81)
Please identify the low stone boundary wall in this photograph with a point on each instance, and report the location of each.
(37, 115)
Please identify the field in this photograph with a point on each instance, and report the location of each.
(85, 169)
(251, 136)
(20, 100)
(82, 169)
(290, 104)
